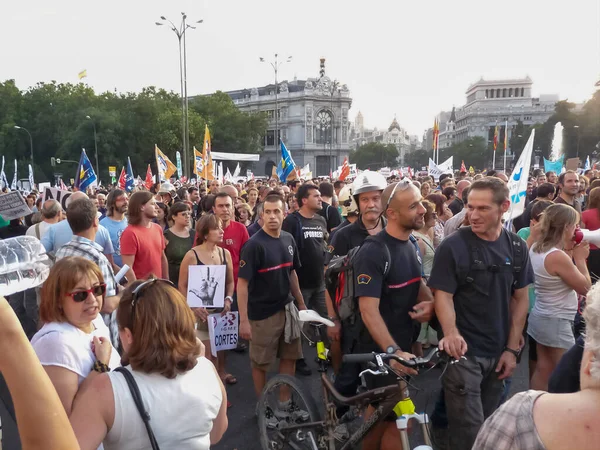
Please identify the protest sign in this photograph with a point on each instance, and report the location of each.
(61, 196)
(206, 286)
(223, 332)
(13, 206)
(112, 171)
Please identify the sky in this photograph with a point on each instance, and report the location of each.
(409, 59)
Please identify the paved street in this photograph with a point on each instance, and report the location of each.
(242, 433)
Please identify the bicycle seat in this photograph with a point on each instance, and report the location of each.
(308, 315)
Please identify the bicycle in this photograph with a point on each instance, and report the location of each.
(303, 429)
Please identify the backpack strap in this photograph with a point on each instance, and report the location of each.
(37, 230)
(475, 262)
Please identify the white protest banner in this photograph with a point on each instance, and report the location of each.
(206, 286)
(434, 170)
(447, 166)
(385, 171)
(42, 186)
(61, 196)
(223, 332)
(13, 206)
(517, 185)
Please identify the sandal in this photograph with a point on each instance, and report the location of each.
(229, 379)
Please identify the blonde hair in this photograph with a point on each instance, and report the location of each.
(591, 314)
(553, 222)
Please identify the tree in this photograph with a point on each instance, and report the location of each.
(374, 155)
(473, 151)
(417, 159)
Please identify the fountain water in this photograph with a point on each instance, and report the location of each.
(556, 150)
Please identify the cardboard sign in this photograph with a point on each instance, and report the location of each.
(63, 197)
(223, 332)
(206, 286)
(572, 164)
(13, 206)
(112, 171)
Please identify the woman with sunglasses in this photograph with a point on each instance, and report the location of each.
(179, 388)
(74, 341)
(179, 238)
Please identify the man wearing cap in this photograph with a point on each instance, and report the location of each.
(167, 194)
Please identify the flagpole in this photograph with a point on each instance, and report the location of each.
(505, 142)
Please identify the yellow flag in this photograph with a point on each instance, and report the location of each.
(207, 162)
(165, 167)
(198, 162)
(82, 74)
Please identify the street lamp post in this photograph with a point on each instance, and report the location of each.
(30, 142)
(275, 64)
(95, 146)
(180, 32)
(334, 88)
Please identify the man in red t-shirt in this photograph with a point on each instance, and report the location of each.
(235, 236)
(142, 242)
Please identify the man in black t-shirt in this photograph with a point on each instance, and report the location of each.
(391, 293)
(267, 275)
(482, 312)
(309, 230)
(328, 211)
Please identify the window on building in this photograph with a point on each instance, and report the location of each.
(504, 92)
(522, 92)
(323, 127)
(270, 114)
(270, 138)
(491, 93)
(510, 92)
(498, 93)
(486, 93)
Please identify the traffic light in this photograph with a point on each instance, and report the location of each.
(53, 161)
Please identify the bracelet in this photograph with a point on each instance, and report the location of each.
(101, 367)
(517, 353)
(230, 298)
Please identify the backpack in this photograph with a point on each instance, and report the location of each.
(339, 279)
(476, 264)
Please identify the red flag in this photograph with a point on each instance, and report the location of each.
(410, 173)
(149, 181)
(345, 170)
(64, 187)
(122, 179)
(495, 137)
(463, 168)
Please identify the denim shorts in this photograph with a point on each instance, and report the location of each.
(551, 331)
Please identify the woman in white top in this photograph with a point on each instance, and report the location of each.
(179, 388)
(557, 283)
(74, 335)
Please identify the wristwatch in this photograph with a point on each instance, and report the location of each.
(392, 349)
(517, 353)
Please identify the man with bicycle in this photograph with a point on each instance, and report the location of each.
(391, 293)
(480, 276)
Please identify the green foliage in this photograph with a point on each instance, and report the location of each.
(127, 124)
(473, 151)
(374, 155)
(417, 159)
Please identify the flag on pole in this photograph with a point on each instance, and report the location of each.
(505, 136)
(463, 168)
(228, 176)
(345, 170)
(82, 74)
(164, 165)
(436, 132)
(149, 180)
(198, 162)
(471, 170)
(122, 179)
(587, 163)
(13, 186)
(286, 165)
(220, 175)
(207, 168)
(63, 186)
(517, 184)
(129, 184)
(3, 179)
(495, 137)
(31, 183)
(236, 172)
(410, 173)
(178, 161)
(86, 176)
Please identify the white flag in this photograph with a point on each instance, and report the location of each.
(3, 179)
(517, 185)
(228, 176)
(236, 172)
(13, 186)
(31, 183)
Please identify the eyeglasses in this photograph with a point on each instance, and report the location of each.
(80, 296)
(400, 184)
(136, 292)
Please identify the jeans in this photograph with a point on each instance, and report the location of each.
(472, 393)
(314, 298)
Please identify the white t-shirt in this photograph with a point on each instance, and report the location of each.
(64, 345)
(181, 409)
(43, 228)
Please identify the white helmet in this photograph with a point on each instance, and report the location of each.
(347, 202)
(167, 188)
(368, 181)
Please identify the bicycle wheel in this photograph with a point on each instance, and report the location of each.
(284, 402)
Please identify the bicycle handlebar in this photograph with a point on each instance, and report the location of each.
(371, 357)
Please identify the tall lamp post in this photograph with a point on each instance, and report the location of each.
(334, 88)
(95, 146)
(17, 127)
(180, 32)
(275, 64)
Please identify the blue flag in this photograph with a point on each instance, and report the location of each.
(86, 176)
(553, 166)
(129, 177)
(286, 165)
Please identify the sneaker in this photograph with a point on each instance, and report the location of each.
(341, 432)
(302, 368)
(272, 421)
(291, 411)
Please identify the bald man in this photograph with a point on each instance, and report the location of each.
(60, 233)
(230, 190)
(51, 213)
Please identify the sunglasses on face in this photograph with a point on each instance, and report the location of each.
(81, 296)
(137, 291)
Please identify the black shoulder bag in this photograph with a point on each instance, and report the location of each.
(137, 399)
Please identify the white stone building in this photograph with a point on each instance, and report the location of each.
(395, 135)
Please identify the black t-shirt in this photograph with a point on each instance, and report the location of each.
(456, 206)
(482, 307)
(346, 239)
(397, 291)
(266, 262)
(576, 205)
(331, 215)
(566, 376)
(309, 234)
(345, 223)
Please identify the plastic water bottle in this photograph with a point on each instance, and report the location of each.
(23, 264)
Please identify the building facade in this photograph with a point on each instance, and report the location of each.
(395, 135)
(312, 119)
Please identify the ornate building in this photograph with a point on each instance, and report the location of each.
(395, 135)
(312, 119)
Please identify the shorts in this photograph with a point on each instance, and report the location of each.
(202, 327)
(268, 342)
(551, 332)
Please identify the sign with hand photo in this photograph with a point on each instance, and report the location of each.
(206, 286)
